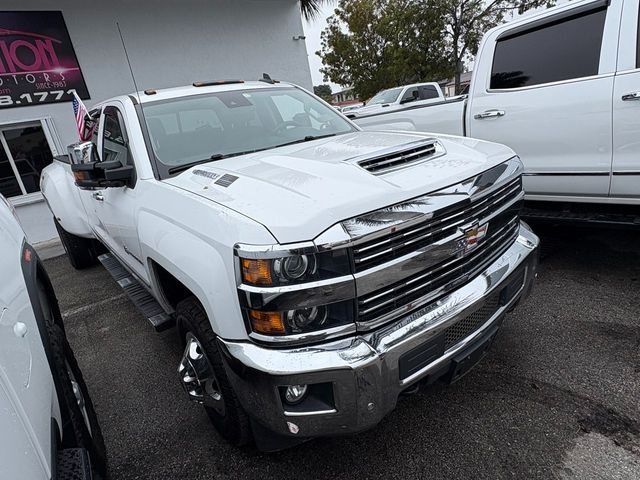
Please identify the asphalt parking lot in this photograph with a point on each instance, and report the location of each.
(557, 397)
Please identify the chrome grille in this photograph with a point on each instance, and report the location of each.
(501, 207)
(381, 250)
(400, 159)
(418, 290)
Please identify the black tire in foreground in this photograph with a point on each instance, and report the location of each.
(80, 423)
(228, 416)
(76, 401)
(81, 251)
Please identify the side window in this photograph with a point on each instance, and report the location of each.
(560, 50)
(410, 95)
(428, 92)
(92, 126)
(114, 141)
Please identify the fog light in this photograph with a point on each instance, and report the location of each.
(295, 393)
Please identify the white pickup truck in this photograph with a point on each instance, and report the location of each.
(48, 427)
(314, 271)
(562, 88)
(393, 99)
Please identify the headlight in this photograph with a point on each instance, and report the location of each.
(301, 320)
(296, 268)
(299, 291)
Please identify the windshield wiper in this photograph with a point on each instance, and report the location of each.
(308, 138)
(212, 158)
(221, 156)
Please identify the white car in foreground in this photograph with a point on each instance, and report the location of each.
(314, 271)
(48, 428)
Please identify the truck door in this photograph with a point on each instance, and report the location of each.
(115, 212)
(625, 180)
(543, 87)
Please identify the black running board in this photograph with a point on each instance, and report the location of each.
(139, 296)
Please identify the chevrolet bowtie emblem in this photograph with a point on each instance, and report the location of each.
(473, 235)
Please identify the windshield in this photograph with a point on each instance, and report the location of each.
(385, 96)
(207, 127)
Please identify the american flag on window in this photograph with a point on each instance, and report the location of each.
(81, 113)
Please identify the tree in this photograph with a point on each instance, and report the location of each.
(377, 44)
(311, 8)
(466, 21)
(323, 91)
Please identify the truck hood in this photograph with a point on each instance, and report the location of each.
(299, 191)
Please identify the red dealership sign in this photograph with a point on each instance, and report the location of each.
(37, 61)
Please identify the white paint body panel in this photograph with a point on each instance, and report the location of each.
(579, 128)
(28, 400)
(189, 225)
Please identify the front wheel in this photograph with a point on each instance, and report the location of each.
(204, 377)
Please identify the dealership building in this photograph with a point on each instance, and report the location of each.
(48, 50)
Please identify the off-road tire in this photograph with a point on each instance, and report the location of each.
(89, 439)
(234, 425)
(81, 251)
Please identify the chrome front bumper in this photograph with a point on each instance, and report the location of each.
(364, 371)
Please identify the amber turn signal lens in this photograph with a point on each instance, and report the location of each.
(268, 323)
(80, 176)
(256, 272)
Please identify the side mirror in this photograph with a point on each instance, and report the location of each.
(90, 173)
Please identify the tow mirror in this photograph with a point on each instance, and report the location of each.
(90, 173)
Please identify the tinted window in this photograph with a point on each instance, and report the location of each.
(411, 95)
(427, 92)
(114, 141)
(561, 50)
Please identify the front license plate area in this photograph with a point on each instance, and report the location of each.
(470, 357)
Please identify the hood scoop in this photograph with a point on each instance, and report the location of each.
(407, 156)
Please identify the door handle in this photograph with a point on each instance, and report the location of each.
(98, 196)
(489, 114)
(631, 96)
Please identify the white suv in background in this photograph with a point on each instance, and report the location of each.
(48, 427)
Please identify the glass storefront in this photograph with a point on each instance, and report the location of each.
(24, 152)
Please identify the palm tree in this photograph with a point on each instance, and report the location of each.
(311, 8)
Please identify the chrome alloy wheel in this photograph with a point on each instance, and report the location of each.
(198, 378)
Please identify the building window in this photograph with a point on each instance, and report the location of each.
(24, 152)
(560, 50)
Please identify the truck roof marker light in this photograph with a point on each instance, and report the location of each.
(268, 323)
(257, 272)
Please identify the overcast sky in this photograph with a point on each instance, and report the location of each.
(312, 31)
